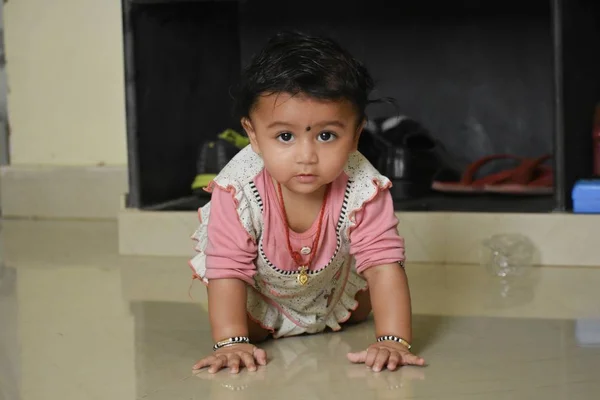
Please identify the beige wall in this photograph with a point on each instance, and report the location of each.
(65, 77)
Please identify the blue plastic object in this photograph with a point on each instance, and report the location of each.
(586, 196)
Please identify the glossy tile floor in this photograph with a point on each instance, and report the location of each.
(77, 321)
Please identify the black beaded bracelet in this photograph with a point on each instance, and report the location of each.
(231, 341)
(394, 339)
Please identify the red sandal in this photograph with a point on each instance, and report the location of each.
(532, 177)
(468, 183)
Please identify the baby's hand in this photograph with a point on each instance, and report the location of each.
(233, 357)
(389, 353)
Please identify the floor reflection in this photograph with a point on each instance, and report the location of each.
(78, 321)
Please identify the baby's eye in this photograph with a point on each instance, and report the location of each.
(326, 136)
(285, 137)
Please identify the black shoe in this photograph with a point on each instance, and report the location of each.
(369, 143)
(213, 156)
(409, 156)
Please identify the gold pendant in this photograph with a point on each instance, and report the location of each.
(303, 276)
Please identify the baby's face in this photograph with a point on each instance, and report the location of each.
(304, 142)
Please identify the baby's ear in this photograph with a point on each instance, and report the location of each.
(247, 125)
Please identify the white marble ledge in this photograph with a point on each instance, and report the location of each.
(559, 239)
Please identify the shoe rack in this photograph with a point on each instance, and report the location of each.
(483, 77)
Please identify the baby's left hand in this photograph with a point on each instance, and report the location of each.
(389, 353)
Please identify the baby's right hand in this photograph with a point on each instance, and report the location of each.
(233, 357)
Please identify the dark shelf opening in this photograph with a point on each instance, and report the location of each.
(434, 202)
(510, 77)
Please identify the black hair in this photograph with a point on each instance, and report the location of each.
(296, 63)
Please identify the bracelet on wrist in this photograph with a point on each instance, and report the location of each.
(396, 339)
(231, 341)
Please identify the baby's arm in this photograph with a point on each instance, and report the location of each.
(379, 250)
(227, 308)
(390, 299)
(230, 255)
(227, 311)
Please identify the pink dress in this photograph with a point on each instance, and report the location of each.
(230, 253)
(242, 236)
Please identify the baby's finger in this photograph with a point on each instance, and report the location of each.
(411, 359)
(371, 354)
(248, 361)
(234, 363)
(357, 358)
(261, 356)
(217, 364)
(381, 359)
(205, 362)
(394, 360)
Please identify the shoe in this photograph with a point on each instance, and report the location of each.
(409, 156)
(369, 143)
(213, 156)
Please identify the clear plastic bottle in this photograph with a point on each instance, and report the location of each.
(507, 255)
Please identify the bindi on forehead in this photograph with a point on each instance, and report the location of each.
(308, 128)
